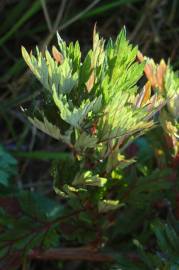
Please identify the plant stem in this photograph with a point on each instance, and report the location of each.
(82, 253)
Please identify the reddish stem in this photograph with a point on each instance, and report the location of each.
(83, 253)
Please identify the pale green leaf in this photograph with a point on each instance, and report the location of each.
(105, 206)
(88, 179)
(85, 141)
(46, 127)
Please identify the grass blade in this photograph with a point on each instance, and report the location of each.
(43, 155)
(107, 7)
(35, 7)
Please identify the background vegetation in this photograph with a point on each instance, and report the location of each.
(153, 25)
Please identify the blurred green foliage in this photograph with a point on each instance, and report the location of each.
(141, 199)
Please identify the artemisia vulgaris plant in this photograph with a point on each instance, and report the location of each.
(116, 196)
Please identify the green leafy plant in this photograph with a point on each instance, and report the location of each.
(111, 175)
